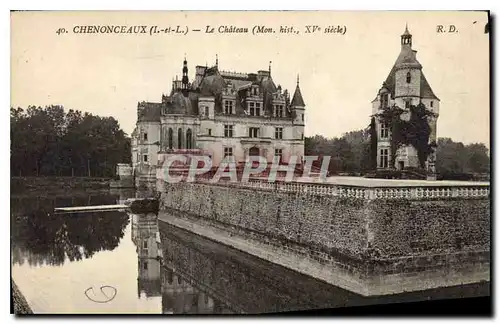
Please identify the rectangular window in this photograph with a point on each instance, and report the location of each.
(145, 136)
(407, 104)
(384, 158)
(145, 265)
(251, 108)
(145, 158)
(257, 109)
(384, 100)
(228, 107)
(209, 132)
(206, 111)
(228, 130)
(278, 133)
(384, 130)
(145, 244)
(253, 132)
(228, 151)
(432, 103)
(278, 153)
(302, 117)
(279, 111)
(170, 277)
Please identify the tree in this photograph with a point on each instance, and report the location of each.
(50, 142)
(454, 158)
(373, 144)
(415, 131)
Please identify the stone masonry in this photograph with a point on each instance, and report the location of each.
(372, 246)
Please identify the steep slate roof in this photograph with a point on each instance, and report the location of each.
(297, 99)
(408, 57)
(148, 111)
(212, 83)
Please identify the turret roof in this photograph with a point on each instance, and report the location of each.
(297, 100)
(408, 57)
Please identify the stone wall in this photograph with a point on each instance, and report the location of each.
(362, 238)
(248, 284)
(324, 223)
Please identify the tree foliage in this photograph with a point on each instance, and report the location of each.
(415, 131)
(50, 142)
(349, 153)
(373, 144)
(456, 158)
(353, 153)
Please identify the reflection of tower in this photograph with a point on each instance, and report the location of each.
(145, 236)
(180, 297)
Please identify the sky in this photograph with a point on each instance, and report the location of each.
(339, 74)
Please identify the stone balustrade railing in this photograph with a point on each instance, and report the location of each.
(349, 191)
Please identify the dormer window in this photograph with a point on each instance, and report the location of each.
(384, 131)
(279, 111)
(254, 108)
(384, 100)
(228, 107)
(408, 77)
(432, 103)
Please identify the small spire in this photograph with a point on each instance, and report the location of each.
(297, 79)
(216, 60)
(407, 32)
(270, 67)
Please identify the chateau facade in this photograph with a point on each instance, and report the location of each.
(220, 114)
(405, 86)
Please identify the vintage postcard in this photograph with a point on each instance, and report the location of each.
(250, 162)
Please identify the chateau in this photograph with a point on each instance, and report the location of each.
(405, 86)
(220, 114)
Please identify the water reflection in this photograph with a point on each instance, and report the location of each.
(41, 237)
(202, 276)
(155, 267)
(146, 239)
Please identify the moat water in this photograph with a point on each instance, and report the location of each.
(116, 262)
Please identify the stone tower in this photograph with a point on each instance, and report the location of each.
(405, 86)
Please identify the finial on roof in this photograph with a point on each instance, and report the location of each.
(297, 79)
(217, 60)
(406, 30)
(270, 67)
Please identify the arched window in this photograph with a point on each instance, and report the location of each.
(189, 139)
(170, 138)
(408, 77)
(179, 139)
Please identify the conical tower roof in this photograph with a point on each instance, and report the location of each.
(297, 100)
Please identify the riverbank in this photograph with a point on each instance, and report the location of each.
(19, 302)
(18, 184)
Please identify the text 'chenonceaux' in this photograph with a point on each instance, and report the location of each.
(208, 29)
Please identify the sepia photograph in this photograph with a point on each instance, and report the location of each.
(250, 163)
